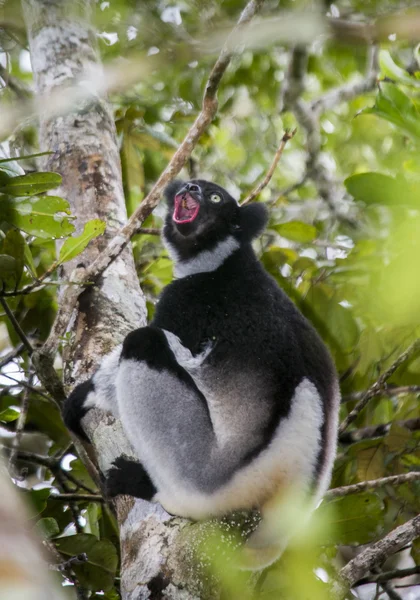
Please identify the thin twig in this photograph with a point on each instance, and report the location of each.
(364, 433)
(390, 390)
(377, 553)
(258, 189)
(388, 575)
(16, 326)
(372, 484)
(11, 355)
(20, 425)
(28, 386)
(379, 385)
(68, 564)
(69, 496)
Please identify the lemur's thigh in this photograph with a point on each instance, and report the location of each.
(163, 412)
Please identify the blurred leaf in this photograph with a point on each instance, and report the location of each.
(375, 188)
(73, 246)
(397, 108)
(31, 184)
(99, 571)
(296, 231)
(355, 519)
(393, 71)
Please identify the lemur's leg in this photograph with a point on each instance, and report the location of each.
(98, 391)
(164, 414)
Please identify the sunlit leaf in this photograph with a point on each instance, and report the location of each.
(73, 246)
(390, 69)
(296, 231)
(9, 415)
(397, 108)
(43, 216)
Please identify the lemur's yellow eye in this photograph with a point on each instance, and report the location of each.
(215, 198)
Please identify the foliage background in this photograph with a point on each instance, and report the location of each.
(352, 268)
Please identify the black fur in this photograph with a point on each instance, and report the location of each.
(74, 409)
(128, 477)
(241, 308)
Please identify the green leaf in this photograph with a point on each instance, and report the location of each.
(47, 528)
(354, 519)
(39, 499)
(31, 184)
(75, 245)
(296, 231)
(42, 216)
(14, 245)
(372, 188)
(393, 71)
(9, 272)
(397, 108)
(8, 415)
(24, 157)
(376, 188)
(28, 258)
(99, 571)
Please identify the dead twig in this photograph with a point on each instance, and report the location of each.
(258, 189)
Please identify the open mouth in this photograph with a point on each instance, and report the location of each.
(186, 208)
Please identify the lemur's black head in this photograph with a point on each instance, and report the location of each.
(201, 214)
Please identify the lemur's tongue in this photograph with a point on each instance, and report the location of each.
(186, 208)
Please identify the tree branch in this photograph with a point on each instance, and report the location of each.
(378, 385)
(388, 575)
(377, 553)
(372, 484)
(349, 91)
(69, 496)
(356, 435)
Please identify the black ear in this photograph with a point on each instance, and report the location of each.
(171, 190)
(252, 220)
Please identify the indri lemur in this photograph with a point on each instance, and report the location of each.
(229, 396)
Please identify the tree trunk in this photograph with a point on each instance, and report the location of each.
(85, 152)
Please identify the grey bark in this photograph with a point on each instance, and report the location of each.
(85, 152)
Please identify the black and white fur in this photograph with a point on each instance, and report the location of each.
(229, 397)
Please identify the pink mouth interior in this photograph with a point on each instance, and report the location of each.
(186, 208)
